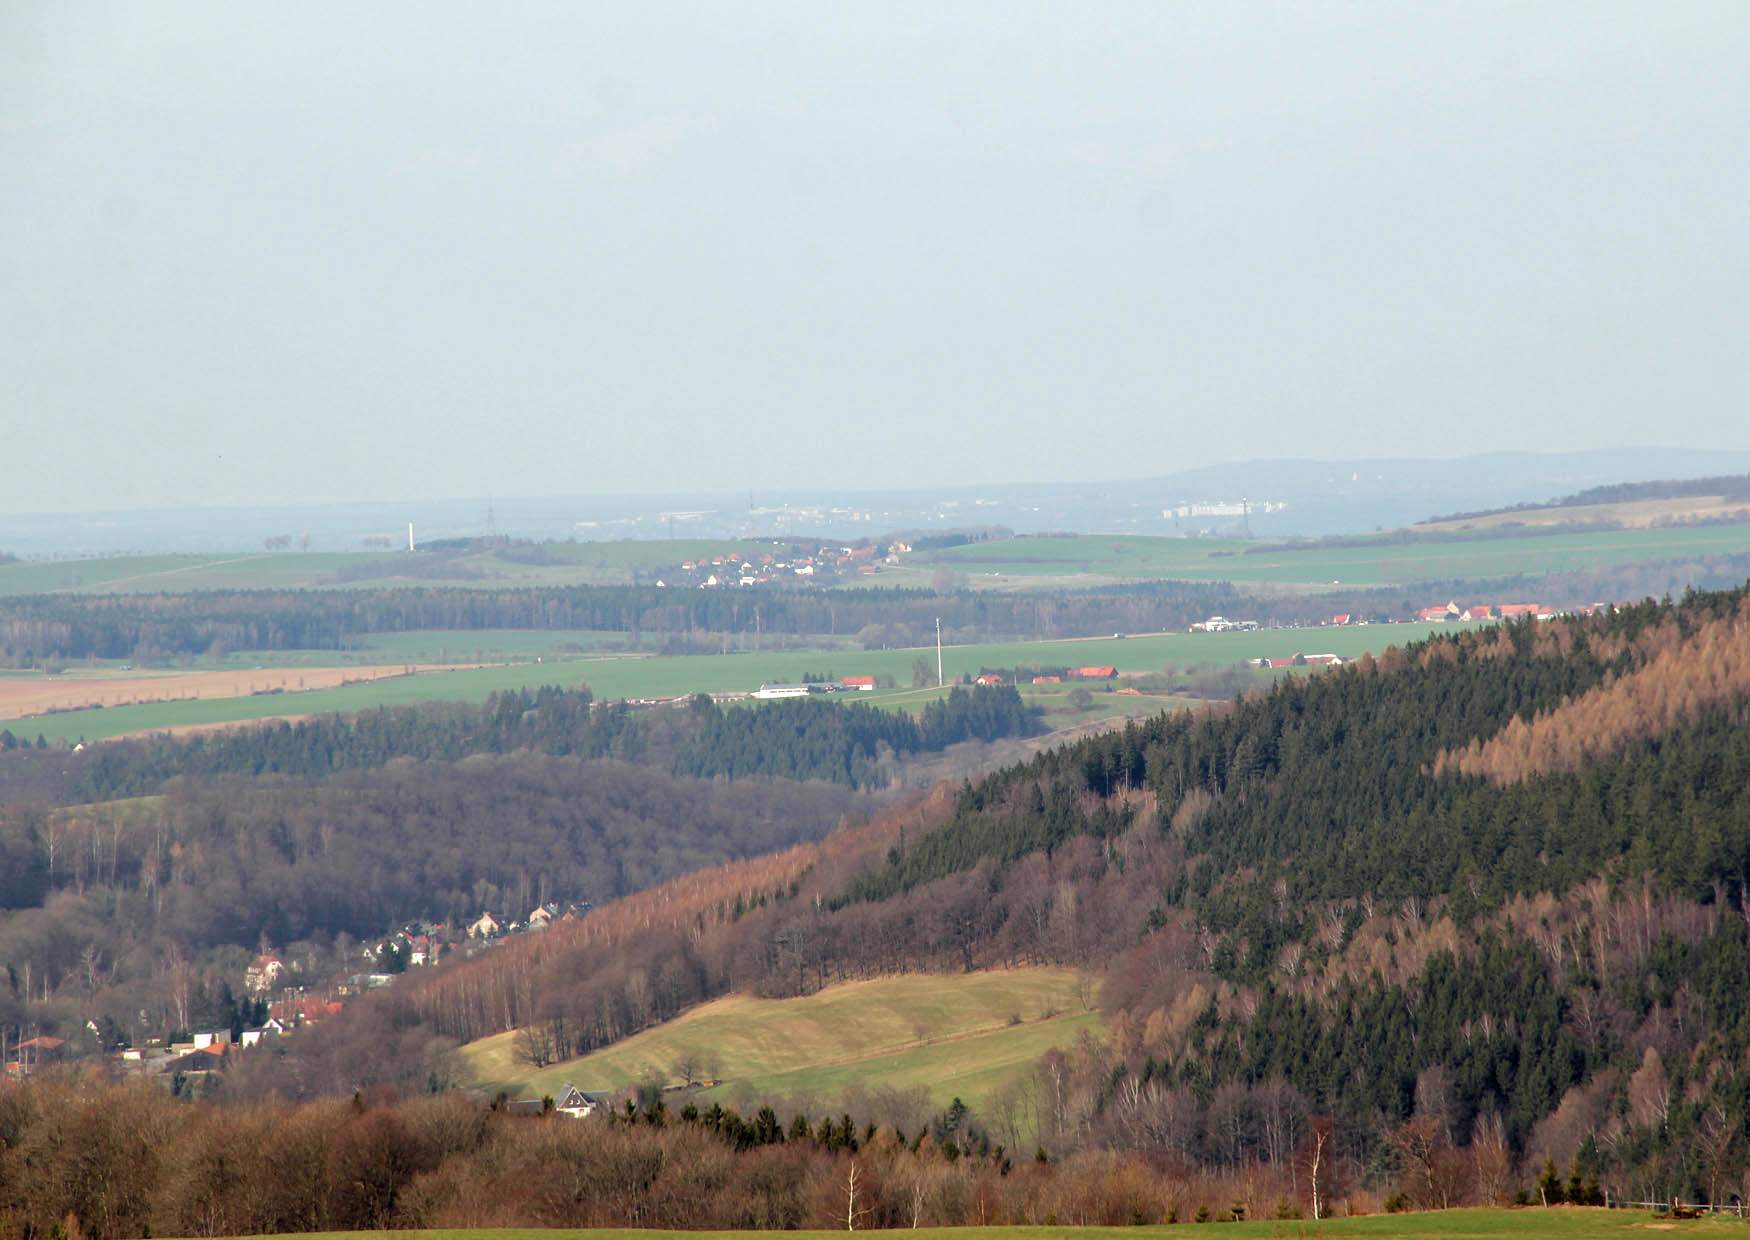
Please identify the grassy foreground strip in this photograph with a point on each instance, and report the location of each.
(961, 1035)
(1444, 1224)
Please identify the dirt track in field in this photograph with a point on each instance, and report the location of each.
(22, 697)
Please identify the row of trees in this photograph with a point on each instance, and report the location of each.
(80, 1157)
(850, 743)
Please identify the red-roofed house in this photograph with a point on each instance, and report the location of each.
(1340, 618)
(1511, 610)
(989, 678)
(290, 1013)
(1094, 673)
(34, 1053)
(857, 682)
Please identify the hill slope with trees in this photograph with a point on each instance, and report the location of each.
(1303, 924)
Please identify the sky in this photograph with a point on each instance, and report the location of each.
(310, 252)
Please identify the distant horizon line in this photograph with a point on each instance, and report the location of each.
(499, 497)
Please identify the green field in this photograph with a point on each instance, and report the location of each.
(580, 563)
(483, 645)
(952, 1034)
(148, 573)
(1577, 1222)
(1093, 559)
(636, 676)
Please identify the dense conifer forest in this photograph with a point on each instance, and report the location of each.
(1303, 922)
(798, 739)
(1462, 923)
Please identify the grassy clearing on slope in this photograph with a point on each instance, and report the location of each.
(1435, 1225)
(1088, 559)
(951, 1033)
(636, 676)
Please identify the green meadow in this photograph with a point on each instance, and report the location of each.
(569, 563)
(642, 676)
(177, 573)
(1091, 559)
(960, 1036)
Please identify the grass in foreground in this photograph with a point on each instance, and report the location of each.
(1436, 1225)
(952, 1034)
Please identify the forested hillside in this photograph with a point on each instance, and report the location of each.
(850, 744)
(800, 739)
(1305, 921)
(111, 910)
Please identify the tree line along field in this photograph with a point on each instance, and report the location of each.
(1093, 559)
(614, 676)
(1576, 1222)
(963, 1035)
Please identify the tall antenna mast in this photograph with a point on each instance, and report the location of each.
(410, 546)
(938, 652)
(491, 520)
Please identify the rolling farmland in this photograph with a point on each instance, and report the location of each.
(647, 676)
(1019, 563)
(564, 564)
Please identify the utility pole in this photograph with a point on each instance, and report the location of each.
(938, 652)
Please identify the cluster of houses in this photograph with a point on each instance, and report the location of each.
(733, 568)
(1486, 611)
(1103, 671)
(486, 928)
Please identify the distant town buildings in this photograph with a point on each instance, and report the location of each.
(1221, 624)
(1223, 508)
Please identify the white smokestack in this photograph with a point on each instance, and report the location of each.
(410, 536)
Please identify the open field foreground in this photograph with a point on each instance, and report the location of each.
(634, 676)
(1092, 559)
(1435, 1225)
(964, 1035)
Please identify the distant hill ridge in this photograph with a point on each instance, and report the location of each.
(1725, 486)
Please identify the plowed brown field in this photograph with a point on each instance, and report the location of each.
(37, 695)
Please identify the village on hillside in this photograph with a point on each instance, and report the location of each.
(280, 995)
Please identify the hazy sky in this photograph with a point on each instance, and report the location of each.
(304, 251)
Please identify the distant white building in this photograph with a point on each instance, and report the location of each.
(783, 691)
